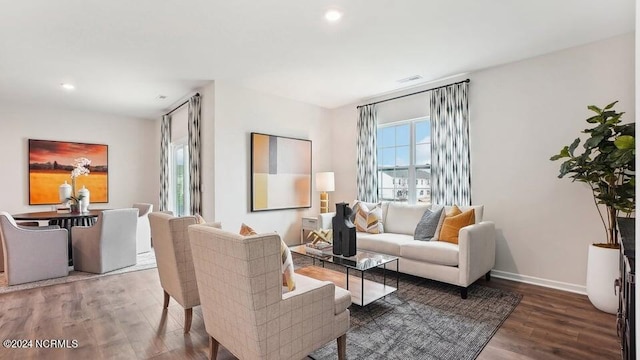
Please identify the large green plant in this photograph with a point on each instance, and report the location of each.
(607, 165)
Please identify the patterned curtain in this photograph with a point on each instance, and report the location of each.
(450, 158)
(195, 188)
(165, 140)
(367, 171)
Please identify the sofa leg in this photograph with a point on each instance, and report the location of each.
(487, 276)
(463, 292)
(342, 347)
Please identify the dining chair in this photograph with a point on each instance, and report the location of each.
(240, 284)
(32, 253)
(143, 233)
(107, 245)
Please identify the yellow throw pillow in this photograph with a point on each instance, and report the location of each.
(452, 225)
(369, 221)
(287, 268)
(246, 230)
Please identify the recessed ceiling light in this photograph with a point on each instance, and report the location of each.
(333, 15)
(67, 86)
(162, 97)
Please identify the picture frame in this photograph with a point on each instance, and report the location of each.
(50, 164)
(280, 172)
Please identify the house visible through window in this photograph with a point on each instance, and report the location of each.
(404, 161)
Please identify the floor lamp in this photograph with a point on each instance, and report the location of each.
(324, 183)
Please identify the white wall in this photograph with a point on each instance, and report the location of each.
(240, 111)
(521, 114)
(133, 152)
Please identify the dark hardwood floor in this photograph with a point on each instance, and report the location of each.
(121, 317)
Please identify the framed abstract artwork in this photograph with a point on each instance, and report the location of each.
(280, 172)
(51, 163)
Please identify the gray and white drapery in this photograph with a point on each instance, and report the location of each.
(195, 174)
(367, 163)
(165, 141)
(450, 158)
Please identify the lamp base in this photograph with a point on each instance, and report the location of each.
(324, 202)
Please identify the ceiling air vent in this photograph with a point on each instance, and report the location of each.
(410, 78)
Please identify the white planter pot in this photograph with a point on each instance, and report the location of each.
(603, 268)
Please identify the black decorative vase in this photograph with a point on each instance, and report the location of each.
(344, 232)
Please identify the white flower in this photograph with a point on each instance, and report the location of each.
(81, 167)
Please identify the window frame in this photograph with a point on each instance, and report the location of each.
(411, 168)
(175, 146)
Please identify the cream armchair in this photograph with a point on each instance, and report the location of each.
(32, 254)
(175, 265)
(240, 285)
(143, 232)
(108, 245)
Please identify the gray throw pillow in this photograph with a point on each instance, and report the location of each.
(426, 228)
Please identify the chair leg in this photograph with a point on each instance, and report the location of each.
(188, 315)
(166, 300)
(487, 276)
(463, 292)
(213, 348)
(342, 347)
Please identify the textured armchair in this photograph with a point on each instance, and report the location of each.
(240, 284)
(143, 234)
(108, 245)
(32, 254)
(175, 265)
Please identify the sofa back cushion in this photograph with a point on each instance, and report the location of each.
(403, 218)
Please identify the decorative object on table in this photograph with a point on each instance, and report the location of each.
(50, 163)
(85, 195)
(325, 182)
(81, 168)
(64, 192)
(344, 232)
(280, 172)
(607, 165)
(321, 235)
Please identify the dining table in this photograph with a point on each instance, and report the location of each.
(65, 220)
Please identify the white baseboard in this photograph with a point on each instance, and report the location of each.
(559, 285)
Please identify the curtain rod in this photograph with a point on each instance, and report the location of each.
(417, 92)
(181, 105)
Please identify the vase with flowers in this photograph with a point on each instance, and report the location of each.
(80, 168)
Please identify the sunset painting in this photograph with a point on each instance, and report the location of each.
(50, 165)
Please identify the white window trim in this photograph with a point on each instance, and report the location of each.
(412, 198)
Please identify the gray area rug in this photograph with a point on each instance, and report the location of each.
(424, 319)
(143, 262)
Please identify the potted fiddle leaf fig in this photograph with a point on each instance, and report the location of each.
(606, 163)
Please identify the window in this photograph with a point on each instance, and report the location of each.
(179, 201)
(404, 161)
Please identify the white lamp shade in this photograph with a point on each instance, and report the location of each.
(325, 181)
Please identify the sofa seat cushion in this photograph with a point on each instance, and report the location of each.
(386, 243)
(341, 299)
(434, 252)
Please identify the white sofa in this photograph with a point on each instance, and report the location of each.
(458, 264)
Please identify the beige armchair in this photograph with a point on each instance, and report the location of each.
(107, 245)
(32, 254)
(175, 265)
(240, 284)
(143, 233)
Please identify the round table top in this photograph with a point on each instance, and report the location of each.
(49, 215)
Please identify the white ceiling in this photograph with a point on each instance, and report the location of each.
(122, 54)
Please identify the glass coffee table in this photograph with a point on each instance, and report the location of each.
(363, 291)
